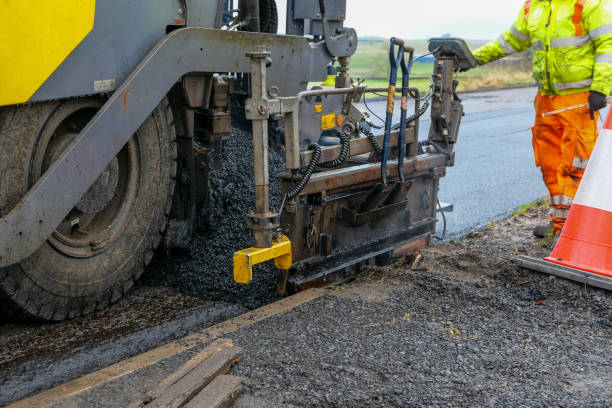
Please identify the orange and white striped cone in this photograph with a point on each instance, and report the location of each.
(586, 240)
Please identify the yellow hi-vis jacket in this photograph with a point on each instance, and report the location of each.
(572, 40)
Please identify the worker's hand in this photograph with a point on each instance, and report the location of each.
(597, 101)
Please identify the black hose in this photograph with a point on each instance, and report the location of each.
(373, 140)
(414, 117)
(346, 149)
(441, 238)
(316, 156)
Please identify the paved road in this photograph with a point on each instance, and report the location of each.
(494, 169)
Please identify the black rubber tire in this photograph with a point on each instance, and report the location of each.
(49, 285)
(268, 16)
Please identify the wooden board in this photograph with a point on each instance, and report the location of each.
(181, 392)
(184, 370)
(220, 393)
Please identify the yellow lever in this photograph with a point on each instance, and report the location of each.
(244, 260)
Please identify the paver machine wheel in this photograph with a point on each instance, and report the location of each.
(103, 244)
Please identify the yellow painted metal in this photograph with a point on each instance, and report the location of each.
(328, 121)
(244, 260)
(35, 38)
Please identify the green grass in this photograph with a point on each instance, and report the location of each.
(371, 62)
(543, 202)
(524, 208)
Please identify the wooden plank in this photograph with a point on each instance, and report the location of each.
(183, 370)
(126, 367)
(220, 393)
(187, 387)
(540, 265)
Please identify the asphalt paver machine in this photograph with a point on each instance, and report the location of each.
(111, 115)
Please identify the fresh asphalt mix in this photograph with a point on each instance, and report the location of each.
(465, 327)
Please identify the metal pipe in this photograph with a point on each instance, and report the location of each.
(260, 135)
(346, 91)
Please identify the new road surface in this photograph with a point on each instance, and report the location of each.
(494, 170)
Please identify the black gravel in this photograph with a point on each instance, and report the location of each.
(434, 342)
(206, 269)
(466, 328)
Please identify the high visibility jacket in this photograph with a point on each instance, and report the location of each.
(572, 43)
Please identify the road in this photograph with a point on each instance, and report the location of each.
(494, 170)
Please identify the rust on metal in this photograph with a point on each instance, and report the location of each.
(125, 97)
(410, 247)
(368, 173)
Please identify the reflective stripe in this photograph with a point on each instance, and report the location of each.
(556, 200)
(594, 190)
(537, 46)
(540, 84)
(566, 201)
(522, 37)
(580, 163)
(561, 86)
(604, 58)
(601, 30)
(560, 213)
(570, 41)
(505, 46)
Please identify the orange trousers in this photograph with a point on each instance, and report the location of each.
(563, 144)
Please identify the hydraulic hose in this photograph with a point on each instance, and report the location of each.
(414, 117)
(373, 140)
(295, 190)
(344, 152)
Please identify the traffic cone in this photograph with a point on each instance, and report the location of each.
(586, 240)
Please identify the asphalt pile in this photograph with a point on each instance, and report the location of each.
(205, 270)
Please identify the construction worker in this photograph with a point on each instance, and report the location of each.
(572, 64)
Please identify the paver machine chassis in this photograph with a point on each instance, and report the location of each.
(111, 117)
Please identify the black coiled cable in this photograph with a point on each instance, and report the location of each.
(344, 152)
(316, 156)
(373, 140)
(414, 117)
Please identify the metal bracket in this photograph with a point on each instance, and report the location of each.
(244, 260)
(342, 45)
